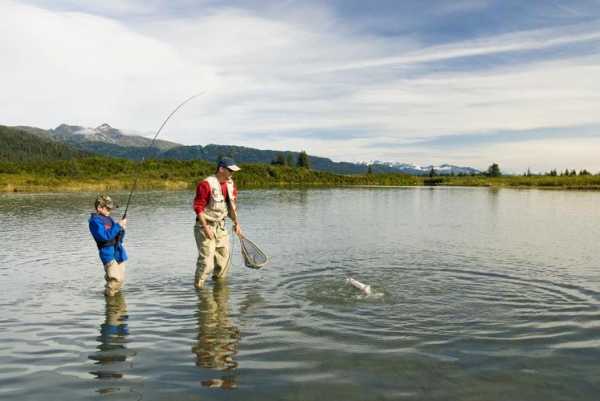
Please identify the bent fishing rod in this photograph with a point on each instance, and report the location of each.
(137, 175)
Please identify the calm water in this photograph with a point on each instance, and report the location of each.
(478, 295)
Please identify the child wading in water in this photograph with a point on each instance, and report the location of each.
(109, 235)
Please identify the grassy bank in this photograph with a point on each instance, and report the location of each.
(34, 183)
(584, 182)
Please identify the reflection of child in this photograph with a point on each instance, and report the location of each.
(109, 235)
(112, 352)
(116, 318)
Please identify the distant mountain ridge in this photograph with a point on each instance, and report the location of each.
(443, 169)
(106, 134)
(112, 142)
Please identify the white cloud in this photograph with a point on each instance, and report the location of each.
(79, 68)
(512, 42)
(101, 7)
(543, 156)
(542, 95)
(302, 71)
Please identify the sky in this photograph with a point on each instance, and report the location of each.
(465, 82)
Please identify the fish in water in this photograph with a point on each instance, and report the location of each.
(357, 284)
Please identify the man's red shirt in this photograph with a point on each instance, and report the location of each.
(203, 195)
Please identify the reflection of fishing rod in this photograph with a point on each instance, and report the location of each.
(137, 175)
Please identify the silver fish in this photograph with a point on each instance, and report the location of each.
(357, 284)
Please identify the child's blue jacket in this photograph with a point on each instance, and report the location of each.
(109, 236)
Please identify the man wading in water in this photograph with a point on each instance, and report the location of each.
(215, 199)
(109, 238)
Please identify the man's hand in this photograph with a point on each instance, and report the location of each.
(238, 229)
(123, 223)
(207, 233)
(205, 227)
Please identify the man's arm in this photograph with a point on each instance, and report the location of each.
(232, 209)
(200, 202)
(234, 217)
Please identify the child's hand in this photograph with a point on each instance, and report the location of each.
(123, 223)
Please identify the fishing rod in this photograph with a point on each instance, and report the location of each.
(152, 143)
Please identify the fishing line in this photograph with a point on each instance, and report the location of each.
(137, 175)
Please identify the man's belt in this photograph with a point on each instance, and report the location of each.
(210, 222)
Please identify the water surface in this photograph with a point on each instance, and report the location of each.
(479, 294)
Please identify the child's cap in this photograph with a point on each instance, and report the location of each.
(105, 201)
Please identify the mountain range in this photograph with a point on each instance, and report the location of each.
(81, 136)
(112, 142)
(412, 169)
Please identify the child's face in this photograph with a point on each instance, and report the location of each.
(103, 210)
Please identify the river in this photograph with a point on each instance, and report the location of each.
(477, 294)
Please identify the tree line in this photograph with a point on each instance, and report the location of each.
(287, 159)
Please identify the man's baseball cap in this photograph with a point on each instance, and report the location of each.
(228, 163)
(105, 201)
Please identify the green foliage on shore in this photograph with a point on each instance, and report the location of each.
(98, 173)
(585, 181)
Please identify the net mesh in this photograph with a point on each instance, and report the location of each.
(254, 258)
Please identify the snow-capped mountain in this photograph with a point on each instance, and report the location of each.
(412, 169)
(106, 134)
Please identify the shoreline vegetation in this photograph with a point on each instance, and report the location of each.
(98, 174)
(109, 174)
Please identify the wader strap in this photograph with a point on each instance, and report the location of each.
(110, 242)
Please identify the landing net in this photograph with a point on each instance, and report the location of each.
(254, 257)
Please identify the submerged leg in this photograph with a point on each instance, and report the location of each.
(114, 274)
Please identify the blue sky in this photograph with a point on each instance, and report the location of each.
(467, 82)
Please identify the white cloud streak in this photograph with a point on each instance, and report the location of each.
(514, 42)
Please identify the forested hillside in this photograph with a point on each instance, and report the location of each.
(17, 145)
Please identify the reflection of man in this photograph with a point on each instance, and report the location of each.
(112, 352)
(218, 338)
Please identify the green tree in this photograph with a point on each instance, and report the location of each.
(494, 170)
(303, 160)
(289, 159)
(369, 170)
(432, 172)
(279, 160)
